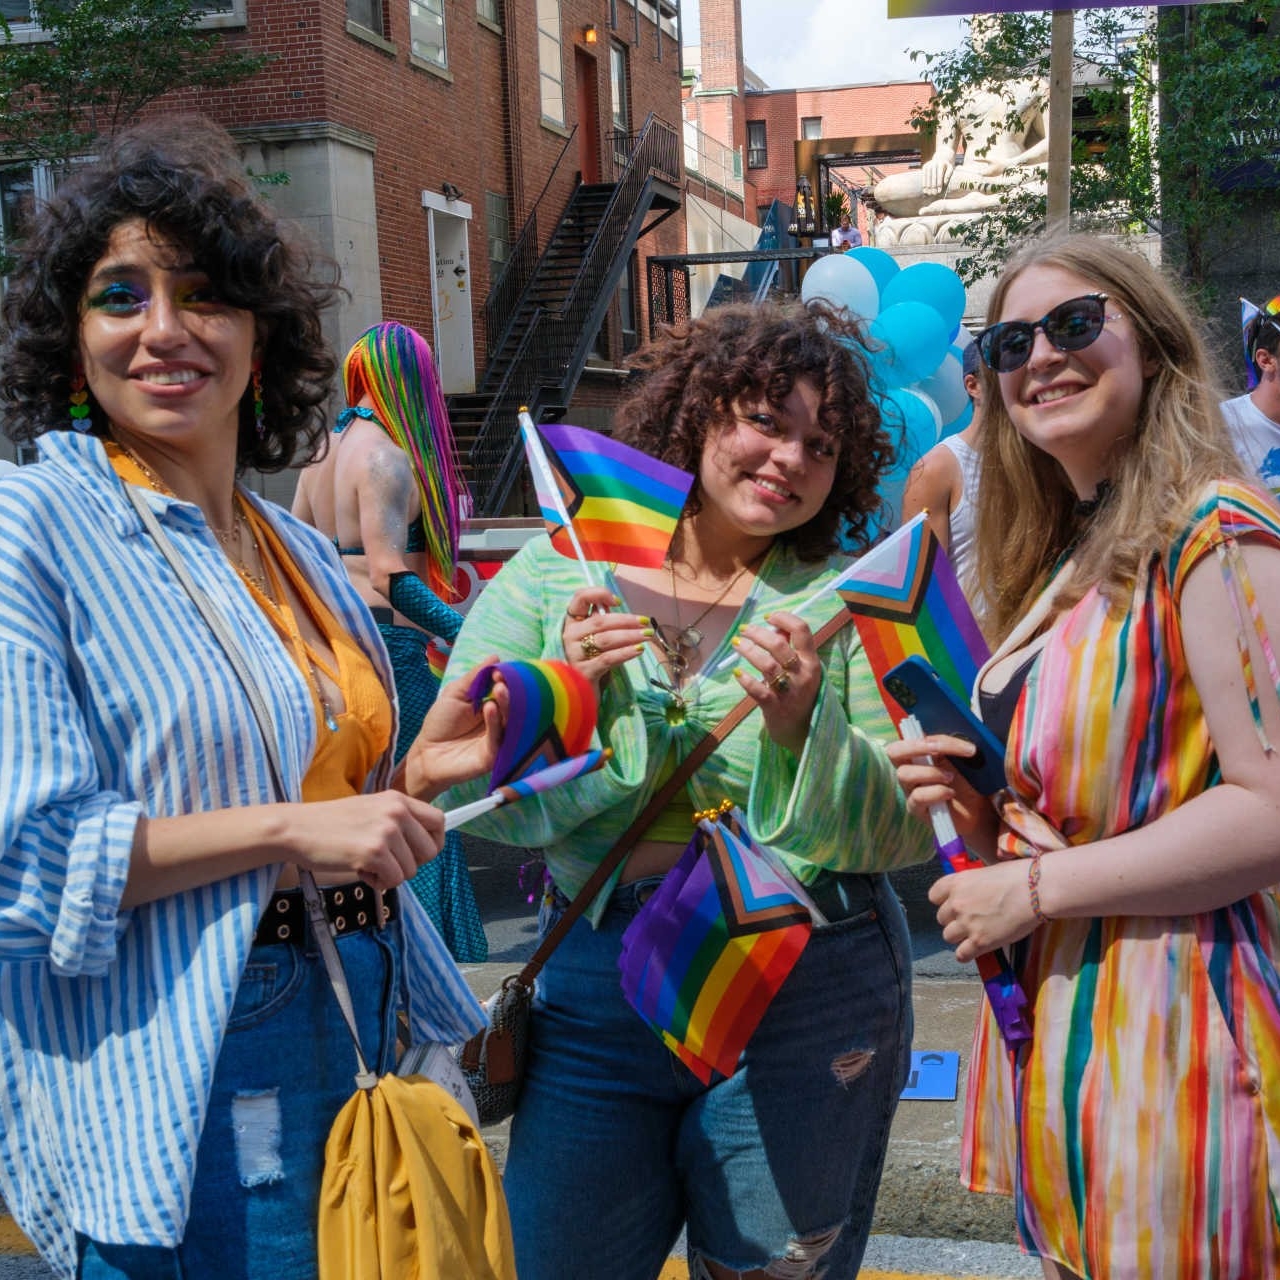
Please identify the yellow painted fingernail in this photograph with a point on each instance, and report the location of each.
(736, 641)
(647, 632)
(645, 622)
(737, 671)
(639, 648)
(616, 599)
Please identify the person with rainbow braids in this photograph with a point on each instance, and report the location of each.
(388, 492)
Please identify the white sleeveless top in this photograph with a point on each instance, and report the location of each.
(962, 514)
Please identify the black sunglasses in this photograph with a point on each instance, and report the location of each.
(1070, 326)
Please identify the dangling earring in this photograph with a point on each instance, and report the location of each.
(259, 425)
(79, 410)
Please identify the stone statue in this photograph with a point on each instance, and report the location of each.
(998, 154)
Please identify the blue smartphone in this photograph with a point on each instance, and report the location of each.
(920, 691)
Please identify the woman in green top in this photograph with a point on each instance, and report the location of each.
(615, 1144)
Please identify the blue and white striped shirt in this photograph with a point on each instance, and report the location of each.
(116, 700)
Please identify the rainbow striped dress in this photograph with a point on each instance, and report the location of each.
(1140, 1129)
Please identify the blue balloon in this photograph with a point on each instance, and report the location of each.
(933, 284)
(958, 423)
(883, 266)
(839, 280)
(915, 339)
(912, 422)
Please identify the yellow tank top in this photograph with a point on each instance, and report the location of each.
(345, 755)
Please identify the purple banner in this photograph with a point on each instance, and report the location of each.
(968, 8)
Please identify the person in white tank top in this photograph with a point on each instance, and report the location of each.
(945, 481)
(1254, 418)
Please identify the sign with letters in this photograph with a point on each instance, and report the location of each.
(970, 8)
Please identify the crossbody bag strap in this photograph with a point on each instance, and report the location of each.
(320, 927)
(645, 818)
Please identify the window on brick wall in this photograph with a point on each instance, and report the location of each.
(367, 14)
(426, 31)
(757, 145)
(627, 310)
(550, 61)
(497, 220)
(810, 128)
(491, 9)
(214, 13)
(23, 187)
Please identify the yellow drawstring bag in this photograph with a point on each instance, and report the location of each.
(410, 1191)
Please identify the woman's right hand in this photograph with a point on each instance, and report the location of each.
(381, 838)
(595, 640)
(927, 778)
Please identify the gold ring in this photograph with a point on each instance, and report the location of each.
(792, 662)
(589, 647)
(781, 682)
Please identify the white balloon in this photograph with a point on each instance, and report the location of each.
(843, 282)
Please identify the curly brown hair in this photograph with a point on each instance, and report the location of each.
(183, 179)
(688, 380)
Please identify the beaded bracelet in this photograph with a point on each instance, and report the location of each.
(1033, 888)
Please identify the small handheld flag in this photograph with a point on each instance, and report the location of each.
(905, 599)
(1007, 999)
(603, 500)
(531, 784)
(551, 716)
(708, 952)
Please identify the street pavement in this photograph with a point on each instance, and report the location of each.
(925, 1224)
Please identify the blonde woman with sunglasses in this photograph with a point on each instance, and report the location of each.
(1132, 576)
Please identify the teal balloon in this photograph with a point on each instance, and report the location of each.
(913, 423)
(839, 280)
(958, 423)
(883, 266)
(932, 284)
(915, 342)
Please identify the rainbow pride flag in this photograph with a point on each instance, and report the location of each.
(705, 956)
(551, 717)
(623, 504)
(905, 599)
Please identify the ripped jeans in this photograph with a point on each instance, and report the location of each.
(616, 1144)
(286, 1068)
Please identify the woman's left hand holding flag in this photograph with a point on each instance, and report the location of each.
(458, 740)
(596, 639)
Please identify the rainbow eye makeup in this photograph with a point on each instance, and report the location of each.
(120, 298)
(117, 299)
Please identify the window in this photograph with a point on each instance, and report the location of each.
(550, 62)
(627, 308)
(810, 128)
(497, 221)
(490, 9)
(757, 146)
(22, 188)
(426, 31)
(367, 14)
(619, 89)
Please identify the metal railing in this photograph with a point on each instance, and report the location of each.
(553, 348)
(504, 293)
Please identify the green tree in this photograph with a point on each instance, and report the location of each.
(103, 62)
(1164, 115)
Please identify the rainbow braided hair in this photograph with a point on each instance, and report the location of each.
(392, 365)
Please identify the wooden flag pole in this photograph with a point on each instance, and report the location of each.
(1061, 57)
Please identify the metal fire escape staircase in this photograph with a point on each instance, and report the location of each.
(544, 312)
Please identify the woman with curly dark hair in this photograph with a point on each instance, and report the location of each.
(173, 1056)
(615, 1143)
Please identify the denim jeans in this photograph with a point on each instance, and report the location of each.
(286, 1068)
(616, 1144)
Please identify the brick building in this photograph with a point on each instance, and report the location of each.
(854, 132)
(419, 136)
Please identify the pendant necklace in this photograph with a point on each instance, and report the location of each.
(681, 642)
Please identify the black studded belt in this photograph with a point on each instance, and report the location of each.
(350, 908)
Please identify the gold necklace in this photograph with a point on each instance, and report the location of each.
(679, 647)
